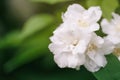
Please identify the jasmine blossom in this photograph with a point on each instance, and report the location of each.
(84, 20)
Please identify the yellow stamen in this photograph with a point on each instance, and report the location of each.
(116, 52)
(92, 47)
(82, 23)
(75, 42)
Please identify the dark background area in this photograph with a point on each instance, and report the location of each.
(13, 15)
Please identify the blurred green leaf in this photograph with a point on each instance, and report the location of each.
(50, 1)
(109, 6)
(111, 71)
(33, 25)
(30, 53)
(36, 23)
(33, 48)
(90, 3)
(12, 39)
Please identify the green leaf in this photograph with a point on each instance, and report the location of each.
(111, 71)
(50, 1)
(31, 49)
(90, 3)
(35, 24)
(30, 53)
(109, 6)
(11, 39)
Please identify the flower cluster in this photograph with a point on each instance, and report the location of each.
(75, 43)
(112, 29)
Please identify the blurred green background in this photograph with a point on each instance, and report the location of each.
(25, 28)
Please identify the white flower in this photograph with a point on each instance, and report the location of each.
(96, 50)
(73, 49)
(68, 47)
(112, 28)
(74, 42)
(85, 20)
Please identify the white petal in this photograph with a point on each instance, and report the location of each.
(94, 27)
(91, 65)
(112, 28)
(98, 41)
(55, 48)
(73, 12)
(74, 61)
(90, 28)
(65, 36)
(114, 39)
(98, 58)
(76, 7)
(107, 47)
(106, 27)
(61, 60)
(69, 60)
(82, 44)
(81, 47)
(94, 14)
